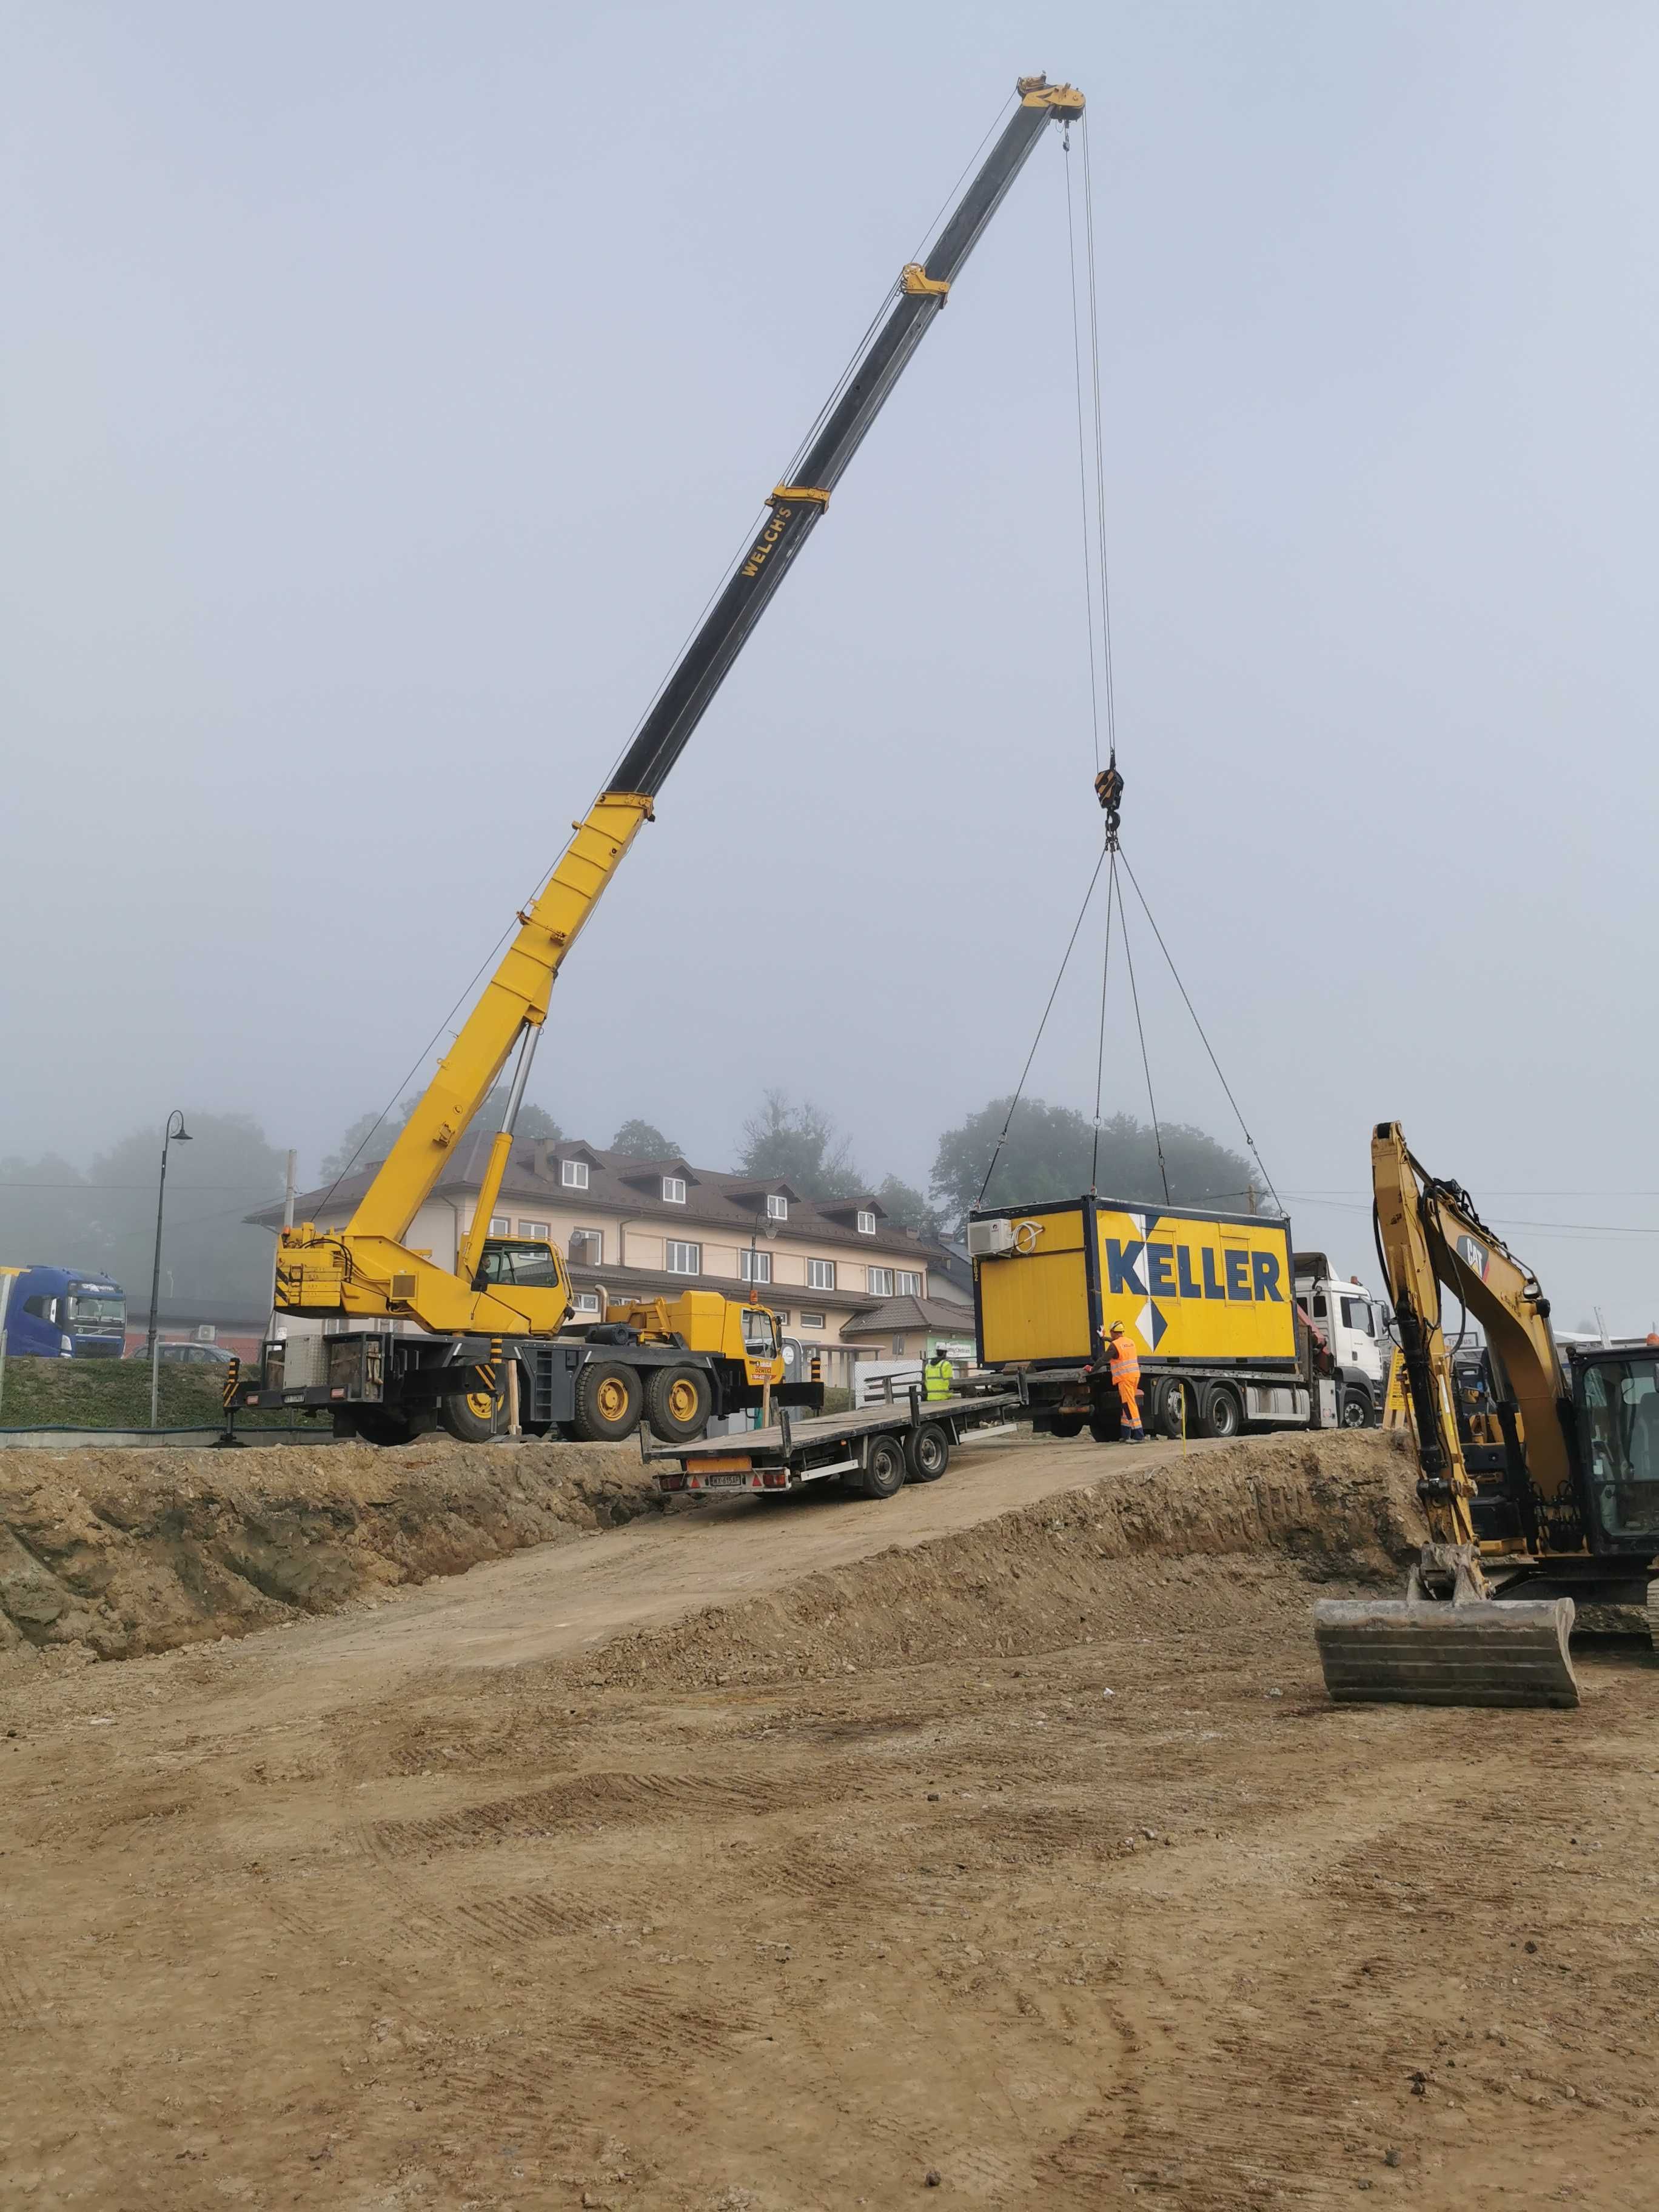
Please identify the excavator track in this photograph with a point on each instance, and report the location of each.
(1435, 1651)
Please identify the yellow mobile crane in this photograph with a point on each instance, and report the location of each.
(1552, 1497)
(690, 1358)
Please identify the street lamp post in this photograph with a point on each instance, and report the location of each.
(171, 1136)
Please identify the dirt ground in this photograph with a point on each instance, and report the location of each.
(808, 1852)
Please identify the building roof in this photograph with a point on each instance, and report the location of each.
(618, 1184)
(894, 1315)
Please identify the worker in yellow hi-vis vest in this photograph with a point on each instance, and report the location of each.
(938, 1377)
(1125, 1374)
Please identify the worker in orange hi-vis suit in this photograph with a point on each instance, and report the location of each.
(1125, 1374)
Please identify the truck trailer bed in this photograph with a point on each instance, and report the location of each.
(789, 1452)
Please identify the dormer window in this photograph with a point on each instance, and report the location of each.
(673, 1190)
(777, 1209)
(867, 1225)
(572, 1174)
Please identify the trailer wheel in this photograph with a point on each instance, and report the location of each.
(927, 1452)
(1067, 1424)
(1223, 1414)
(677, 1403)
(608, 1398)
(883, 1470)
(1356, 1410)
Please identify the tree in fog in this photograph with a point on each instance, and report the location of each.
(47, 1213)
(800, 1145)
(644, 1140)
(1049, 1152)
(212, 1262)
(906, 1208)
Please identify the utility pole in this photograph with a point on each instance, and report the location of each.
(170, 1136)
(288, 1222)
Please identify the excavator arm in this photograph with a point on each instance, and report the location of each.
(1454, 1639)
(365, 1270)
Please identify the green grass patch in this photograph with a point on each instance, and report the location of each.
(114, 1394)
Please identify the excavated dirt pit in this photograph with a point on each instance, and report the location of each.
(999, 1842)
(128, 1551)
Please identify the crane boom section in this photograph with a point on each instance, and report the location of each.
(518, 993)
(798, 501)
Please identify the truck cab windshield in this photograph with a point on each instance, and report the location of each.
(1620, 1399)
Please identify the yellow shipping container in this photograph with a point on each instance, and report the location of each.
(1186, 1284)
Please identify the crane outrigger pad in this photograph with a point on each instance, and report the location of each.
(1431, 1651)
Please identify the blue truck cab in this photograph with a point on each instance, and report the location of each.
(64, 1313)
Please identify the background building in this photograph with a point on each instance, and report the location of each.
(630, 1227)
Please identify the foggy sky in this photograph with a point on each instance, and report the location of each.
(387, 388)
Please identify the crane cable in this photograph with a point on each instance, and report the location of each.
(1108, 782)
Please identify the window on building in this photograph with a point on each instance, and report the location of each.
(684, 1258)
(755, 1267)
(820, 1274)
(811, 1320)
(588, 1247)
(542, 1229)
(500, 1225)
(898, 1347)
(572, 1174)
(909, 1283)
(586, 1302)
(777, 1209)
(673, 1190)
(867, 1225)
(880, 1282)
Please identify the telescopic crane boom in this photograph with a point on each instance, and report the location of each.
(365, 1270)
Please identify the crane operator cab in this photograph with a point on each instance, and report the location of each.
(761, 1340)
(519, 1260)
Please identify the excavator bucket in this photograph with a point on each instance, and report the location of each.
(1432, 1651)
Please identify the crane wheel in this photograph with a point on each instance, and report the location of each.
(608, 1397)
(472, 1419)
(678, 1402)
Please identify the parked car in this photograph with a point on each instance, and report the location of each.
(194, 1355)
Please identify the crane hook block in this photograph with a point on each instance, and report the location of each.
(1109, 790)
(916, 284)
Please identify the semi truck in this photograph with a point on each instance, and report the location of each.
(1218, 1306)
(65, 1313)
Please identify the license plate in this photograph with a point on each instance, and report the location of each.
(724, 1481)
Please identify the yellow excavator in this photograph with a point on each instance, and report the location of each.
(505, 1305)
(1542, 1507)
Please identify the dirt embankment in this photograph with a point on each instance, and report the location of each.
(125, 1553)
(1051, 1574)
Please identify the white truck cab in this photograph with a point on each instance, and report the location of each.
(1355, 1324)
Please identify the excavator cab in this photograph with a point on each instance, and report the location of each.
(1617, 1400)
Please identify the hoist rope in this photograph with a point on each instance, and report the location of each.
(1101, 688)
(1249, 1142)
(1019, 1088)
(1100, 1050)
(1145, 1061)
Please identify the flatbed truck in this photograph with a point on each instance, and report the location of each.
(873, 1451)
